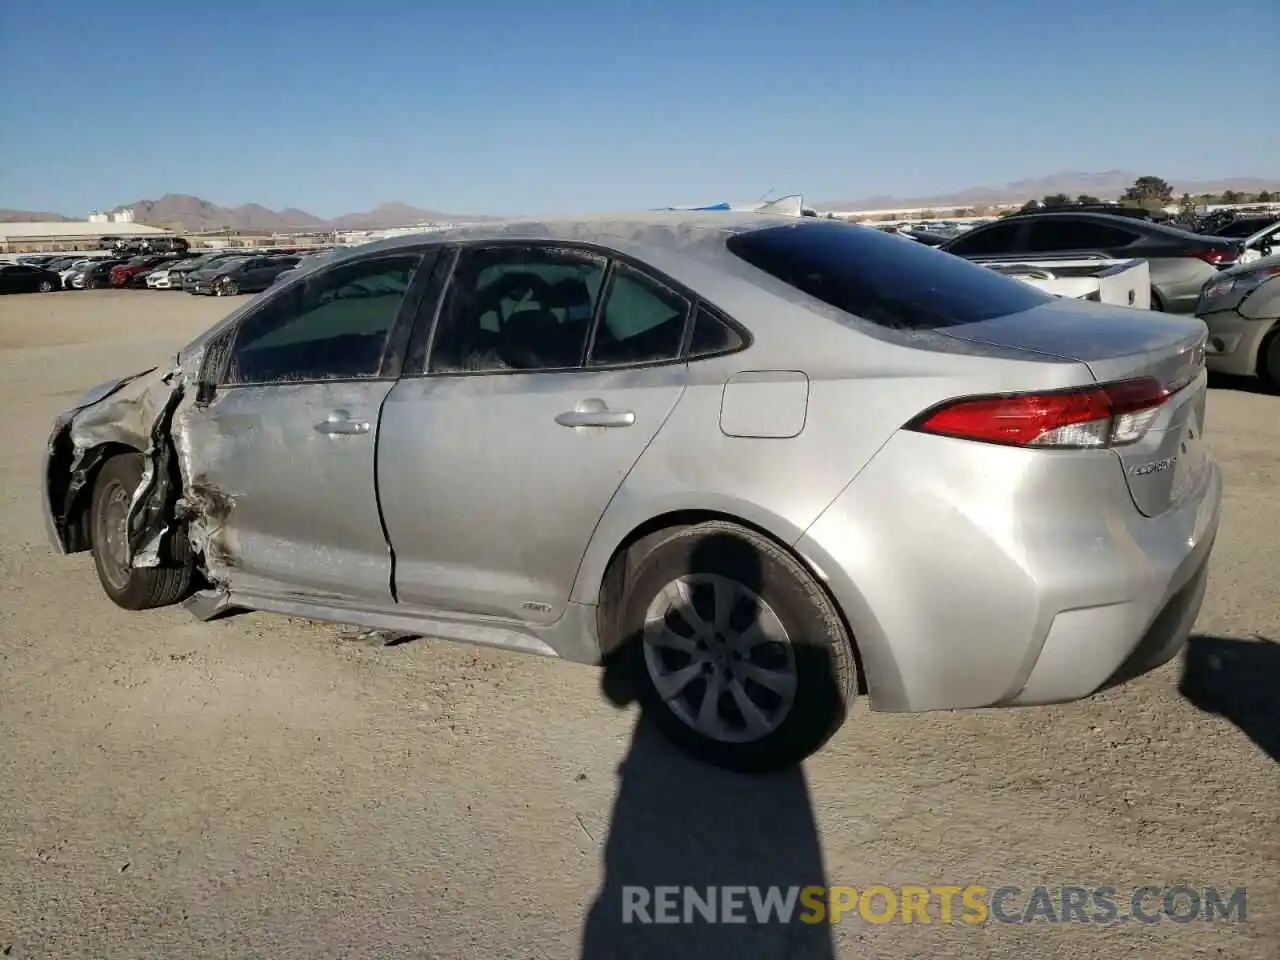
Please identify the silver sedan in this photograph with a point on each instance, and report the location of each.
(759, 465)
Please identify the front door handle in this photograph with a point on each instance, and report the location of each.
(340, 424)
(594, 413)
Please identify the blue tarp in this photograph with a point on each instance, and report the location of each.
(713, 206)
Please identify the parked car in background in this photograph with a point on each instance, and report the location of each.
(178, 272)
(209, 268)
(1241, 228)
(644, 411)
(1110, 209)
(1241, 308)
(27, 278)
(68, 273)
(243, 275)
(96, 273)
(163, 277)
(306, 263)
(1262, 244)
(133, 272)
(1181, 262)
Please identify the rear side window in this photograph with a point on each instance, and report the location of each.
(882, 279)
(643, 321)
(1063, 233)
(712, 336)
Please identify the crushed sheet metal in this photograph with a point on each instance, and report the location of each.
(146, 521)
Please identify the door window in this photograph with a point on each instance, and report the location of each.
(712, 336)
(331, 326)
(643, 321)
(517, 308)
(1067, 233)
(988, 241)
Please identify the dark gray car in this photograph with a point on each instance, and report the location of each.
(1181, 262)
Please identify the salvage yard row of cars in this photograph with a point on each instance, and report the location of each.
(217, 273)
(1220, 268)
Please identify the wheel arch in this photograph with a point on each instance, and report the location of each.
(632, 548)
(69, 480)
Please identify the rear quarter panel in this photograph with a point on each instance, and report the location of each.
(862, 389)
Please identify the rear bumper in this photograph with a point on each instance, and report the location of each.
(997, 576)
(1234, 342)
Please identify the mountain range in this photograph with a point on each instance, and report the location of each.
(1107, 185)
(192, 214)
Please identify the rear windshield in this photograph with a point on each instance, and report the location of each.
(890, 281)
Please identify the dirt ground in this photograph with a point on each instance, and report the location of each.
(261, 787)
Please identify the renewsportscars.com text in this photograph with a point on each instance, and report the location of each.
(971, 905)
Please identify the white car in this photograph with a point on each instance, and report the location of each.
(159, 280)
(67, 276)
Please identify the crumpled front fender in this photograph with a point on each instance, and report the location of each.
(126, 413)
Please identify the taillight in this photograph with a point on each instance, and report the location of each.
(1106, 415)
(1217, 257)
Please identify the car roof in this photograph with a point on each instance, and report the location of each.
(1126, 223)
(627, 232)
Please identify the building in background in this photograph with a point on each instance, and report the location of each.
(57, 235)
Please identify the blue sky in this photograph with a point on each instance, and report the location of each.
(494, 106)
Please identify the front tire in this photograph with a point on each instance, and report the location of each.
(737, 653)
(133, 588)
(46, 286)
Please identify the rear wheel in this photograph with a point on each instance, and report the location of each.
(737, 653)
(1156, 303)
(133, 588)
(46, 286)
(1269, 361)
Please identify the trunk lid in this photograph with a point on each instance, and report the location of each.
(1118, 343)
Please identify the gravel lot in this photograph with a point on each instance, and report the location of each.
(272, 788)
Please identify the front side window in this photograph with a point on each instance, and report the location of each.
(333, 325)
(642, 322)
(517, 308)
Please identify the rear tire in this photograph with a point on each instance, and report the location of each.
(1156, 303)
(1269, 360)
(133, 588)
(717, 607)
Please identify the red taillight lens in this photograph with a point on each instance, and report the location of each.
(1216, 257)
(1103, 416)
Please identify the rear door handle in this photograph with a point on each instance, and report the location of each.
(596, 418)
(340, 424)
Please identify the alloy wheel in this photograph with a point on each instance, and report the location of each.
(720, 658)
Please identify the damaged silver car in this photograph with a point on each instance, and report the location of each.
(760, 464)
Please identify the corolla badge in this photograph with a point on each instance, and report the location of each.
(1155, 466)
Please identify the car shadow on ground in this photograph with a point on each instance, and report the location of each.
(1240, 681)
(1223, 381)
(681, 824)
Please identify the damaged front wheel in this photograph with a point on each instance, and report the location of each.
(133, 588)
